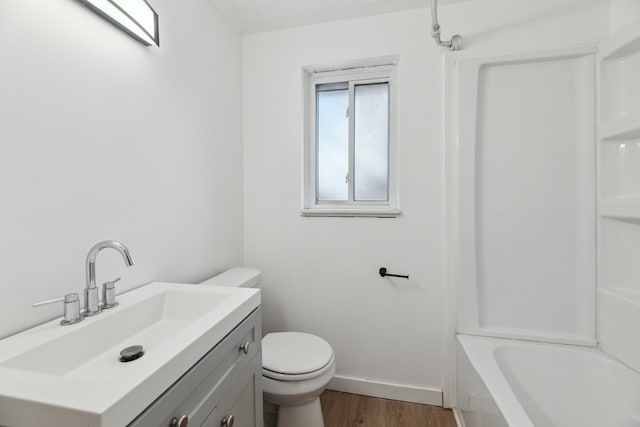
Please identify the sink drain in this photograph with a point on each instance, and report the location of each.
(132, 353)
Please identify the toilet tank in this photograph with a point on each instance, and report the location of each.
(243, 277)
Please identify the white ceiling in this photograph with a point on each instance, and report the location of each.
(251, 16)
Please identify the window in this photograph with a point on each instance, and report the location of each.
(350, 145)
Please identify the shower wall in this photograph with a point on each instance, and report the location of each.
(619, 196)
(524, 200)
(623, 14)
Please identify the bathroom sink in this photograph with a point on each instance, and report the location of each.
(74, 373)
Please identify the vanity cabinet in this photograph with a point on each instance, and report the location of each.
(223, 389)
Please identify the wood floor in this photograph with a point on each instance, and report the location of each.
(352, 410)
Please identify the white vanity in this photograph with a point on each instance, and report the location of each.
(201, 363)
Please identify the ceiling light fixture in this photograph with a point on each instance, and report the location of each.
(135, 17)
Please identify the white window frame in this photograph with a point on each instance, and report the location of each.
(354, 76)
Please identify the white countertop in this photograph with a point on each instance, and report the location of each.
(71, 376)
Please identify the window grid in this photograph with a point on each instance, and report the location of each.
(353, 117)
(313, 204)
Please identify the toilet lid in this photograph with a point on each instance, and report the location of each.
(295, 353)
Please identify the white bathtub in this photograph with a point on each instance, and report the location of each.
(508, 383)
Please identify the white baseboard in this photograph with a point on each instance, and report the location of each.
(459, 419)
(401, 392)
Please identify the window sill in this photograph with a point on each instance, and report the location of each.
(370, 213)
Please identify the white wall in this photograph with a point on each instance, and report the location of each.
(320, 274)
(102, 138)
(623, 14)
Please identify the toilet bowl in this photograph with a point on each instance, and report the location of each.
(296, 366)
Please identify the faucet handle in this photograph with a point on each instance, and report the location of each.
(71, 308)
(112, 282)
(109, 294)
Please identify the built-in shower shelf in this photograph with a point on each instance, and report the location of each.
(619, 192)
(619, 60)
(625, 127)
(618, 313)
(625, 44)
(620, 208)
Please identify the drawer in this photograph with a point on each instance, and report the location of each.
(199, 391)
(243, 401)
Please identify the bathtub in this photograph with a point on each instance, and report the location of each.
(509, 383)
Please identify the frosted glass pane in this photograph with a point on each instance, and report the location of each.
(371, 142)
(333, 145)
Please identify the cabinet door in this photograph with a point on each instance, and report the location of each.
(243, 409)
(244, 402)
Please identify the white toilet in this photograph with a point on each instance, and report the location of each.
(296, 367)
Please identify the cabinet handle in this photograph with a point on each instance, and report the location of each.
(228, 421)
(183, 421)
(244, 348)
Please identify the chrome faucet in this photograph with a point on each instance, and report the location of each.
(91, 300)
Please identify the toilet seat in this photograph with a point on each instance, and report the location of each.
(295, 356)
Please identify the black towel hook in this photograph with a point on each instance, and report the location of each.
(383, 273)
